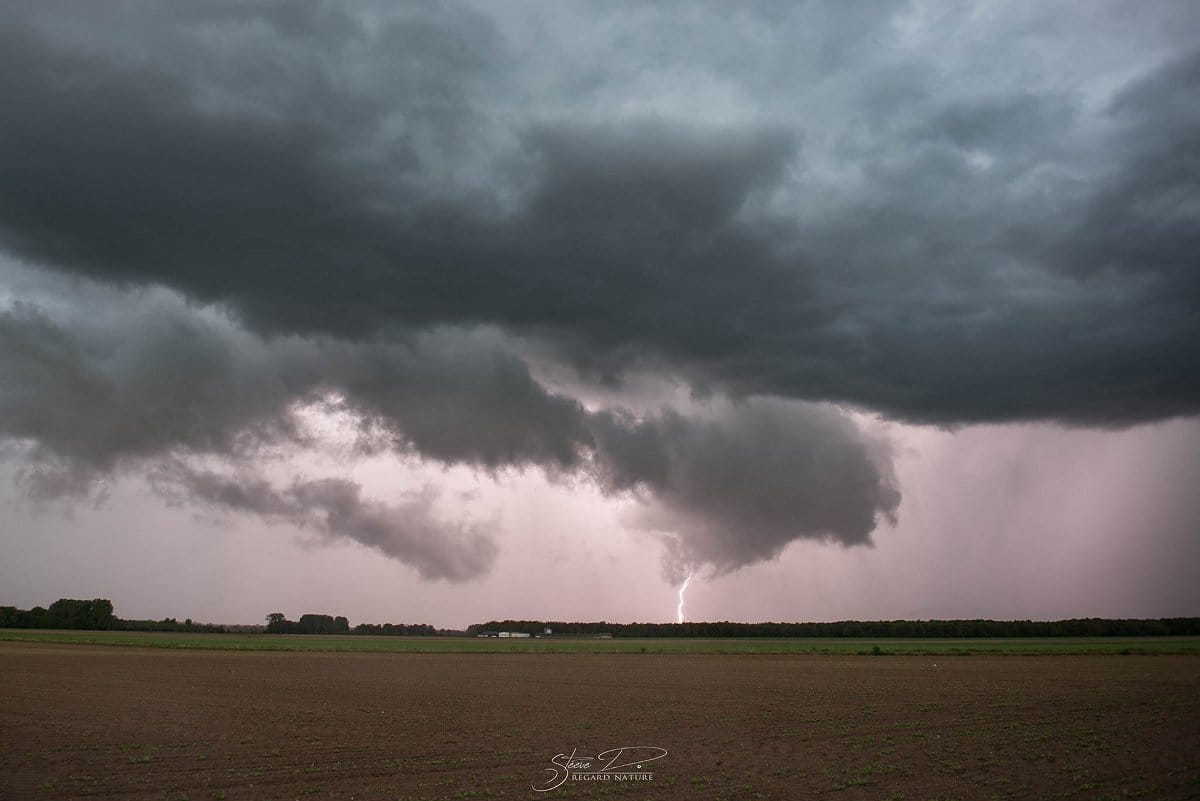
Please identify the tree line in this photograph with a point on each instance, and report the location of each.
(1077, 627)
(94, 615)
(399, 630)
(65, 613)
(97, 614)
(277, 623)
(307, 624)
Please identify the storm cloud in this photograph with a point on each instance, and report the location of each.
(155, 387)
(737, 487)
(151, 386)
(409, 531)
(942, 218)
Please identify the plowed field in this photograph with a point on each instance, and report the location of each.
(110, 722)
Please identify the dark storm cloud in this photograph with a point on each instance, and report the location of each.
(160, 377)
(1145, 218)
(273, 218)
(90, 398)
(325, 173)
(409, 531)
(737, 488)
(151, 385)
(461, 398)
(946, 218)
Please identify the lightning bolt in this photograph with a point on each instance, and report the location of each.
(682, 590)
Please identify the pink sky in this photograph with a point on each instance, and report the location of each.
(1017, 521)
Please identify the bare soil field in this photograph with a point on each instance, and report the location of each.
(110, 722)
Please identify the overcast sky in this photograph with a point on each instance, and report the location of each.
(448, 312)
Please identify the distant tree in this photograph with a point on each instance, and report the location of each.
(319, 624)
(307, 624)
(65, 613)
(101, 614)
(72, 613)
